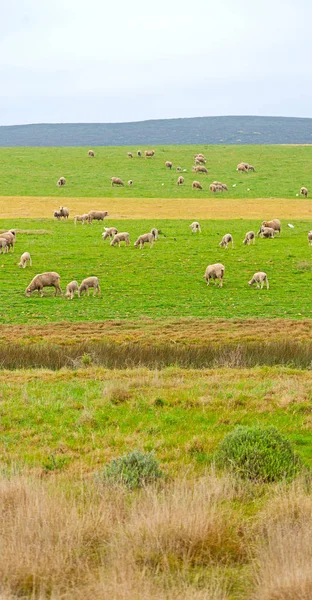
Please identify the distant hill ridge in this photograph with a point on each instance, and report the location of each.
(197, 130)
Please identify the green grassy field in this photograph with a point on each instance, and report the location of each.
(163, 281)
(280, 171)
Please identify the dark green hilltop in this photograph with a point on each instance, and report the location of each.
(198, 130)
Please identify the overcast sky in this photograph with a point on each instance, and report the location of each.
(112, 61)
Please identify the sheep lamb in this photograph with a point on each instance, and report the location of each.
(25, 258)
(109, 232)
(144, 239)
(180, 180)
(266, 232)
(129, 154)
(260, 279)
(304, 191)
(274, 224)
(226, 240)
(49, 279)
(4, 246)
(117, 181)
(82, 218)
(195, 227)
(149, 153)
(86, 284)
(121, 237)
(197, 185)
(61, 181)
(71, 288)
(168, 164)
(91, 153)
(215, 272)
(249, 237)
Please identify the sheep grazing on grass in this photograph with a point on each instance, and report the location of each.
(200, 169)
(310, 238)
(4, 245)
(260, 279)
(121, 237)
(61, 181)
(266, 232)
(180, 180)
(155, 232)
(109, 232)
(195, 227)
(196, 185)
(199, 154)
(213, 188)
(10, 237)
(82, 218)
(149, 153)
(168, 164)
(179, 169)
(64, 212)
(129, 154)
(97, 215)
(242, 167)
(215, 272)
(304, 191)
(91, 153)
(117, 181)
(226, 240)
(49, 279)
(25, 258)
(249, 237)
(86, 284)
(146, 238)
(251, 168)
(200, 161)
(57, 214)
(139, 153)
(130, 182)
(274, 224)
(71, 288)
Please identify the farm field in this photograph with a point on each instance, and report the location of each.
(280, 172)
(163, 281)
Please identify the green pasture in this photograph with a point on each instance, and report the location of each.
(163, 281)
(280, 171)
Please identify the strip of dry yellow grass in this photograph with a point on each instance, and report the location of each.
(159, 208)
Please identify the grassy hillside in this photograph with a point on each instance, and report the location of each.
(163, 281)
(280, 172)
(200, 130)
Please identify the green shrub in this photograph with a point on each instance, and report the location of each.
(133, 469)
(258, 453)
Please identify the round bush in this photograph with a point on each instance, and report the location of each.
(133, 469)
(258, 453)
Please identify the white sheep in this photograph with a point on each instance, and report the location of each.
(304, 191)
(121, 237)
(155, 232)
(86, 284)
(82, 218)
(195, 227)
(249, 237)
(25, 258)
(4, 246)
(266, 232)
(259, 278)
(180, 180)
(71, 288)
(49, 279)
(91, 153)
(61, 181)
(215, 272)
(109, 232)
(144, 239)
(226, 240)
(130, 182)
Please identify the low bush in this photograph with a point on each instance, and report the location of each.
(258, 453)
(133, 469)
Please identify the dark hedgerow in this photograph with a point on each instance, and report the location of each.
(133, 469)
(258, 453)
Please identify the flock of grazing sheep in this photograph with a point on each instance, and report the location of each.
(268, 229)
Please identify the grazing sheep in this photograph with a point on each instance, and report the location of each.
(71, 288)
(97, 215)
(219, 187)
(139, 153)
(180, 180)
(200, 169)
(117, 181)
(266, 232)
(25, 258)
(168, 164)
(251, 168)
(91, 153)
(310, 238)
(10, 237)
(121, 237)
(144, 239)
(57, 214)
(304, 191)
(226, 240)
(130, 182)
(61, 181)
(4, 245)
(249, 237)
(64, 212)
(195, 227)
(213, 187)
(149, 153)
(197, 185)
(155, 232)
(215, 272)
(86, 284)
(259, 278)
(82, 218)
(109, 232)
(199, 160)
(179, 168)
(242, 167)
(49, 279)
(225, 187)
(129, 154)
(274, 224)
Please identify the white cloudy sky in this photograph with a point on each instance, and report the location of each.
(106, 61)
